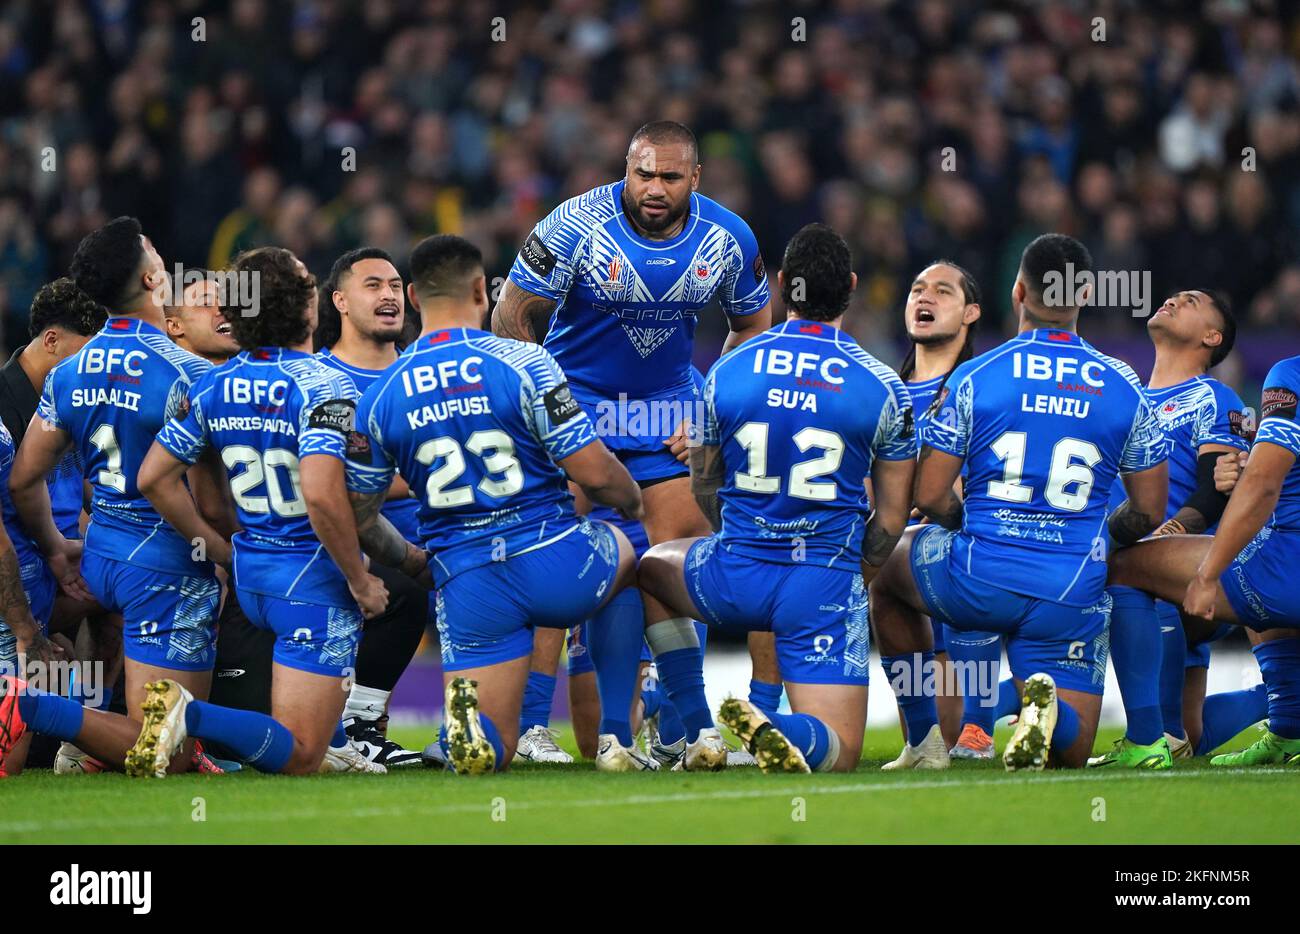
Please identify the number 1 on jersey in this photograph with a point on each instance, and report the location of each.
(105, 439)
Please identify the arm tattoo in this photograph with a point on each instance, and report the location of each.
(12, 597)
(951, 511)
(515, 315)
(1127, 525)
(712, 509)
(877, 543)
(1186, 521)
(383, 542)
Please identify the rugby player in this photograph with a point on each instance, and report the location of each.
(1192, 331)
(278, 419)
(108, 402)
(486, 429)
(794, 422)
(1243, 574)
(943, 308)
(622, 272)
(1042, 425)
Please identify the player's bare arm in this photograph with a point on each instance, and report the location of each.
(743, 328)
(15, 609)
(162, 481)
(43, 445)
(1250, 506)
(707, 475)
(1148, 493)
(1206, 504)
(935, 493)
(604, 479)
(381, 540)
(330, 513)
(891, 484)
(211, 490)
(519, 312)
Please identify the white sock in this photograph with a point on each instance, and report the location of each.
(366, 703)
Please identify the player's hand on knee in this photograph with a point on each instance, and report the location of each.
(1227, 470)
(371, 595)
(1200, 598)
(680, 442)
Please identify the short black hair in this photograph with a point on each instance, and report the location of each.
(661, 132)
(106, 265)
(444, 265)
(284, 297)
(1229, 330)
(818, 273)
(60, 304)
(330, 323)
(1046, 258)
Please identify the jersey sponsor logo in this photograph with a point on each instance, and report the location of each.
(258, 392)
(1237, 423)
(661, 261)
(422, 379)
(560, 404)
(335, 415)
(110, 360)
(1278, 402)
(777, 362)
(536, 256)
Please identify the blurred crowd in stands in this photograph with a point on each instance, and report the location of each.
(1165, 134)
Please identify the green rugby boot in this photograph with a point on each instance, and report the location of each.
(1128, 754)
(1271, 749)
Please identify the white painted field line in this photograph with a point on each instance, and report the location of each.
(781, 791)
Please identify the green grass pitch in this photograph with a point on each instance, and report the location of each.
(970, 803)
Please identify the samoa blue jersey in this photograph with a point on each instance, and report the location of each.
(1278, 424)
(67, 494)
(1044, 423)
(113, 397)
(1195, 412)
(263, 411)
(800, 414)
(627, 306)
(923, 393)
(24, 547)
(476, 424)
(403, 513)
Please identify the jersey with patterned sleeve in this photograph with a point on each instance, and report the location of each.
(627, 306)
(922, 393)
(1044, 423)
(263, 412)
(24, 547)
(476, 423)
(1195, 412)
(1279, 424)
(799, 415)
(403, 513)
(113, 397)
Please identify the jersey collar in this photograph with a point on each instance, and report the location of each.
(120, 326)
(1050, 336)
(820, 329)
(273, 355)
(444, 336)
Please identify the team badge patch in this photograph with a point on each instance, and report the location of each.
(1237, 424)
(560, 404)
(1278, 402)
(335, 415)
(537, 256)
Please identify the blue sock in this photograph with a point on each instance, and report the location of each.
(1173, 674)
(537, 702)
(1067, 726)
(702, 633)
(614, 638)
(490, 733)
(261, 741)
(977, 654)
(1227, 714)
(1279, 663)
(671, 728)
(1135, 651)
(652, 700)
(340, 737)
(1008, 700)
(681, 672)
(766, 697)
(50, 714)
(810, 735)
(920, 712)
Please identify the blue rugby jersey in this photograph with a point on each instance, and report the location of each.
(1044, 423)
(1279, 425)
(476, 423)
(1195, 412)
(263, 411)
(113, 397)
(800, 415)
(403, 513)
(25, 548)
(628, 306)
